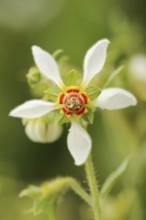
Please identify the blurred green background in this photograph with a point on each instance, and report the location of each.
(73, 26)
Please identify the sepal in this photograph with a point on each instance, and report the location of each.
(52, 93)
(61, 118)
(89, 116)
(73, 78)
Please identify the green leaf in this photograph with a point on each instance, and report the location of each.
(32, 192)
(73, 78)
(113, 179)
(113, 75)
(92, 92)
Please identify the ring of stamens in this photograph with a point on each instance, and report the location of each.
(73, 101)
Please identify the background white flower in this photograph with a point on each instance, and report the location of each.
(137, 67)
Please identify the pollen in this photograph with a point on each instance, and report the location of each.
(73, 101)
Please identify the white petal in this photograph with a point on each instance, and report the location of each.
(33, 109)
(79, 143)
(95, 59)
(47, 65)
(115, 98)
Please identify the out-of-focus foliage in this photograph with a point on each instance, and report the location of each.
(28, 15)
(73, 26)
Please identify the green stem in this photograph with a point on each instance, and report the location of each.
(93, 188)
(75, 186)
(52, 212)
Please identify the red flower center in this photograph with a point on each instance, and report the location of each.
(74, 102)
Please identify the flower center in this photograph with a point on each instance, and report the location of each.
(73, 101)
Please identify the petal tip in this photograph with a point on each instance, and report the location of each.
(134, 101)
(106, 40)
(81, 163)
(35, 48)
(78, 164)
(12, 113)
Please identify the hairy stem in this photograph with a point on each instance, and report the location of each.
(75, 186)
(92, 182)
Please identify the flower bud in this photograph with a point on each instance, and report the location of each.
(42, 132)
(33, 76)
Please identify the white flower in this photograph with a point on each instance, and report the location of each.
(74, 101)
(137, 67)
